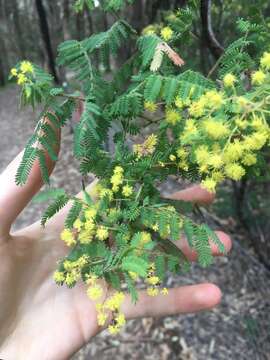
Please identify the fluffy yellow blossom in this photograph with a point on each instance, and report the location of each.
(155, 227)
(150, 106)
(217, 176)
(118, 170)
(256, 141)
(258, 77)
(183, 165)
(164, 291)
(85, 236)
(166, 33)
(229, 80)
(249, 159)
(202, 154)
(90, 213)
(214, 99)
(265, 60)
(149, 30)
(116, 180)
(26, 67)
(22, 79)
(94, 292)
(106, 192)
(133, 275)
(234, 171)
(233, 151)
(215, 161)
(172, 116)
(209, 184)
(113, 329)
(182, 153)
(152, 291)
(179, 103)
(242, 124)
(150, 143)
(196, 108)
(68, 237)
(101, 318)
(59, 277)
(215, 129)
(78, 224)
(153, 280)
(172, 157)
(14, 72)
(120, 319)
(115, 301)
(71, 279)
(242, 101)
(102, 233)
(145, 237)
(127, 190)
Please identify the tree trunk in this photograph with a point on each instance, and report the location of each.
(17, 27)
(66, 15)
(44, 29)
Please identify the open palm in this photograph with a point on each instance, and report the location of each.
(40, 320)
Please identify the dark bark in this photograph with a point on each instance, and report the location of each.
(209, 38)
(66, 15)
(18, 29)
(44, 29)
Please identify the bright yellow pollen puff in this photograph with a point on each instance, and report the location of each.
(150, 106)
(234, 171)
(115, 301)
(265, 60)
(164, 291)
(215, 161)
(214, 99)
(215, 129)
(233, 151)
(153, 280)
(120, 319)
(94, 292)
(145, 237)
(90, 213)
(22, 79)
(101, 318)
(249, 159)
(202, 154)
(14, 72)
(127, 190)
(172, 116)
(68, 237)
(166, 33)
(86, 235)
(102, 233)
(196, 109)
(152, 291)
(179, 103)
(209, 184)
(71, 279)
(113, 329)
(172, 157)
(258, 77)
(229, 80)
(78, 224)
(59, 277)
(26, 67)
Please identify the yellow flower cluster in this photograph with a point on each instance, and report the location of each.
(153, 282)
(25, 68)
(166, 33)
(147, 147)
(117, 178)
(127, 190)
(71, 272)
(150, 106)
(172, 116)
(229, 80)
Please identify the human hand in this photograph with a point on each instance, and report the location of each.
(40, 320)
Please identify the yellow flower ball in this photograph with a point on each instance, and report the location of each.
(258, 77)
(166, 33)
(229, 80)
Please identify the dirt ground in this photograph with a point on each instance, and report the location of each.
(238, 329)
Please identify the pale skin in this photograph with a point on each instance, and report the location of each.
(40, 320)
